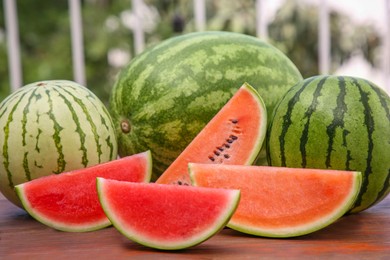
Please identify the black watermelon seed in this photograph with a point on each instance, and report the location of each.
(233, 137)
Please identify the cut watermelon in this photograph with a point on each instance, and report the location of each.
(234, 136)
(69, 201)
(167, 217)
(282, 202)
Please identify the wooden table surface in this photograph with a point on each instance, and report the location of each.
(361, 236)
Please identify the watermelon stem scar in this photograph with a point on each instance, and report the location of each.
(125, 126)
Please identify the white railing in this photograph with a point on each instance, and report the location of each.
(10, 10)
(324, 38)
(14, 62)
(76, 26)
(387, 47)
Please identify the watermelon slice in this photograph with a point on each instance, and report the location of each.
(233, 136)
(282, 202)
(69, 201)
(167, 217)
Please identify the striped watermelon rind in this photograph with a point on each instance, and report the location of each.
(335, 122)
(51, 127)
(167, 94)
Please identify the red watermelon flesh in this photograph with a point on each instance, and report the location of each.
(233, 136)
(167, 217)
(282, 202)
(69, 201)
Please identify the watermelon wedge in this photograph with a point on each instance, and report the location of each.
(282, 202)
(233, 136)
(166, 217)
(69, 201)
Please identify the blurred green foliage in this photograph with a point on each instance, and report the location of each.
(295, 32)
(46, 46)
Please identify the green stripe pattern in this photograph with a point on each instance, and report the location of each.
(166, 95)
(335, 122)
(51, 127)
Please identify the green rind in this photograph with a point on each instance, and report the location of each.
(55, 224)
(259, 141)
(336, 123)
(169, 93)
(311, 227)
(50, 127)
(224, 219)
(149, 171)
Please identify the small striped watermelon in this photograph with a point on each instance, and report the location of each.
(167, 94)
(335, 122)
(51, 127)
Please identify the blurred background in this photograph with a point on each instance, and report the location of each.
(353, 40)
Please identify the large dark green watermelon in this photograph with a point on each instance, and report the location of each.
(167, 94)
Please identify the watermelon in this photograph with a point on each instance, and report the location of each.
(335, 122)
(69, 201)
(165, 96)
(234, 136)
(281, 201)
(167, 217)
(51, 127)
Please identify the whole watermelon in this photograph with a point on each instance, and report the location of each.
(335, 122)
(51, 127)
(167, 94)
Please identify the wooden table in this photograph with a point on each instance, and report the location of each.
(361, 236)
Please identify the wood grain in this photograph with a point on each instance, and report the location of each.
(360, 236)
